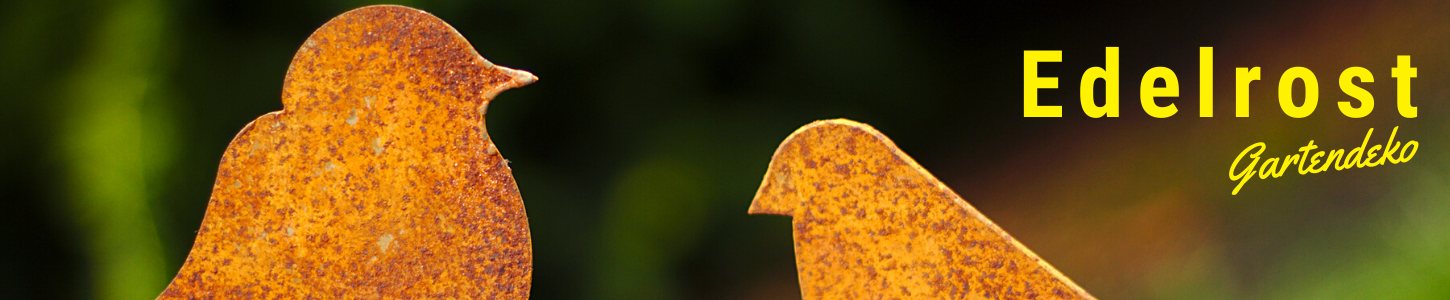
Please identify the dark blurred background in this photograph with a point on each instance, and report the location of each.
(642, 144)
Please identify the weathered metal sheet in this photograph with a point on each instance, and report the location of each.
(872, 224)
(376, 180)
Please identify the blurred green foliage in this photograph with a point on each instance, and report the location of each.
(641, 146)
(652, 219)
(116, 139)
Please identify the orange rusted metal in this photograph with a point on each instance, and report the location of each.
(376, 180)
(871, 223)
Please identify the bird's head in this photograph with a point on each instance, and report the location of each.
(824, 152)
(412, 49)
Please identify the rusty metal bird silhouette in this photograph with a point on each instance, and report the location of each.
(871, 223)
(376, 180)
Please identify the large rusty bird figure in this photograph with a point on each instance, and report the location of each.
(376, 180)
(872, 224)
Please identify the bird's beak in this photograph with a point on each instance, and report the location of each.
(755, 206)
(767, 199)
(521, 77)
(518, 78)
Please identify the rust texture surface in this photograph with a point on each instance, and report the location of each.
(376, 180)
(871, 223)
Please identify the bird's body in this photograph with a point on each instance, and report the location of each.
(377, 180)
(872, 224)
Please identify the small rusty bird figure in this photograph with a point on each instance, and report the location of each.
(872, 224)
(376, 180)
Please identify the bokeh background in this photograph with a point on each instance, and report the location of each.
(641, 146)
